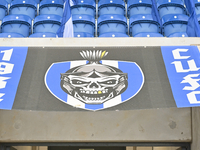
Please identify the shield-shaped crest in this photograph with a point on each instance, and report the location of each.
(94, 84)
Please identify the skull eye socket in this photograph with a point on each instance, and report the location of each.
(77, 82)
(109, 82)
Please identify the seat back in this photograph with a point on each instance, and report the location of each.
(84, 7)
(135, 7)
(38, 1)
(112, 23)
(16, 24)
(174, 23)
(43, 35)
(8, 1)
(3, 9)
(11, 35)
(178, 34)
(197, 6)
(46, 23)
(111, 7)
(148, 34)
(113, 34)
(84, 23)
(170, 7)
(198, 18)
(143, 23)
(82, 34)
(51, 7)
(23, 7)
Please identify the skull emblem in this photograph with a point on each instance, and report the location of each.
(94, 83)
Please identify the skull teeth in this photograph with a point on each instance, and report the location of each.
(87, 92)
(93, 98)
(94, 92)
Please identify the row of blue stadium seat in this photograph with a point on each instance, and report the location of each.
(53, 35)
(140, 17)
(22, 24)
(10, 1)
(82, 34)
(115, 23)
(38, 1)
(29, 7)
(171, 24)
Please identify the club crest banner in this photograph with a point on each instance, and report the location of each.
(99, 79)
(99, 92)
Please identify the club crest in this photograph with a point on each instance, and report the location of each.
(94, 83)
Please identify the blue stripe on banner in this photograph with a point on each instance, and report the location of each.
(52, 79)
(93, 107)
(12, 61)
(182, 64)
(135, 79)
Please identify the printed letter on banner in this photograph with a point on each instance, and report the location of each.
(183, 69)
(12, 61)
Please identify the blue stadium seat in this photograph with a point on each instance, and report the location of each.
(23, 7)
(3, 9)
(46, 23)
(197, 6)
(143, 23)
(170, 7)
(111, 7)
(16, 24)
(43, 35)
(38, 1)
(148, 34)
(198, 18)
(112, 23)
(84, 23)
(11, 35)
(178, 34)
(139, 7)
(51, 7)
(82, 34)
(114, 34)
(174, 23)
(84, 7)
(8, 1)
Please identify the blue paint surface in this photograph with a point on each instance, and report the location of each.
(17, 58)
(176, 78)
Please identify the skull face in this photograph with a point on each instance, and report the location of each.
(94, 83)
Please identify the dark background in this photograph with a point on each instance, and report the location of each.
(32, 93)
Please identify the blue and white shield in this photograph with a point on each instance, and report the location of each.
(135, 83)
